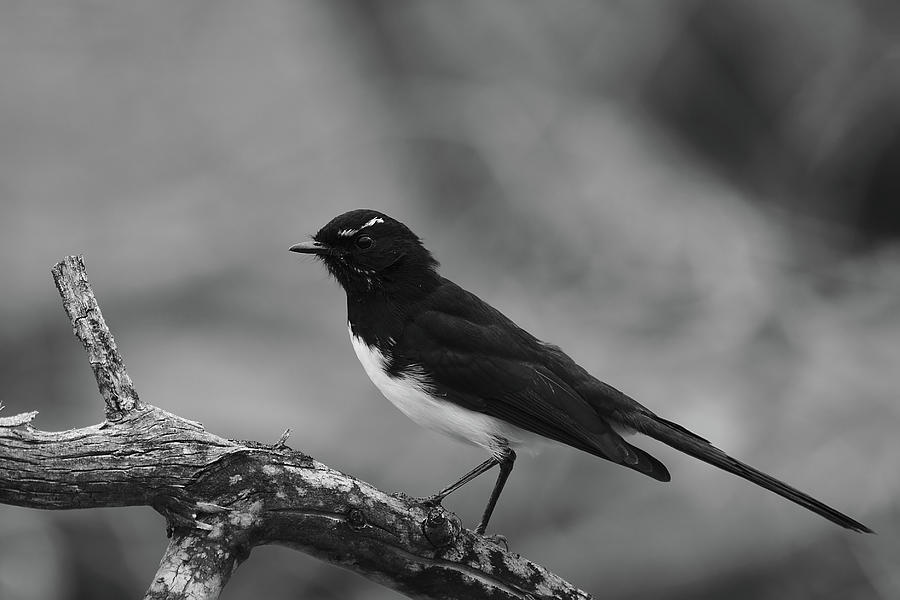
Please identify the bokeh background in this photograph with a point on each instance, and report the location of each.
(697, 199)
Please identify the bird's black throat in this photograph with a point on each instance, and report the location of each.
(378, 314)
(382, 266)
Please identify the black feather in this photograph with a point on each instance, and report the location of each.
(473, 356)
(681, 439)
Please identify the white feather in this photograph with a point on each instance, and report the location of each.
(371, 222)
(350, 232)
(409, 392)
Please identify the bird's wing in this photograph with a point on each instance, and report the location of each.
(479, 359)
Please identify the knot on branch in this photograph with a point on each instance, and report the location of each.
(441, 528)
(356, 519)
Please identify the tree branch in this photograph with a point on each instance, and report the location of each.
(89, 327)
(222, 497)
(194, 567)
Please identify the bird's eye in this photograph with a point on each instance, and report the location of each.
(364, 242)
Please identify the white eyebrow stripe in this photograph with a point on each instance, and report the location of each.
(372, 222)
(351, 232)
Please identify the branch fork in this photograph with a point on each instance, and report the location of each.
(221, 498)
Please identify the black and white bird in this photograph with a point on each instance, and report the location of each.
(455, 364)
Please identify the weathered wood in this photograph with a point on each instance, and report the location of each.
(194, 567)
(223, 497)
(89, 326)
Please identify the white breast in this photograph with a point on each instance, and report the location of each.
(409, 393)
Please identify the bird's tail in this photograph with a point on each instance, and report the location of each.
(681, 439)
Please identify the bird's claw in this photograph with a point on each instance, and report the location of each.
(432, 501)
(498, 539)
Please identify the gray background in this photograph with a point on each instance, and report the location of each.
(696, 199)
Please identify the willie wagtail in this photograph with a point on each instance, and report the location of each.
(454, 363)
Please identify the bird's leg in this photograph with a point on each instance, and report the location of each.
(506, 460)
(482, 468)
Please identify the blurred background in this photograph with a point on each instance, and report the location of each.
(697, 199)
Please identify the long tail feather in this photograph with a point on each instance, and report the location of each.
(681, 439)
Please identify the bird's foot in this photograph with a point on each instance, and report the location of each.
(496, 538)
(432, 501)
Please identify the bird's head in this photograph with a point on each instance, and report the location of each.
(366, 250)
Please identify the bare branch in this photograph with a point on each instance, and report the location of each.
(222, 497)
(194, 567)
(89, 327)
(16, 420)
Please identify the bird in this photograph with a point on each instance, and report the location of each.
(455, 364)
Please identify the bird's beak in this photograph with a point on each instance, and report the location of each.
(310, 247)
